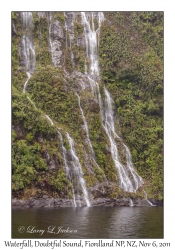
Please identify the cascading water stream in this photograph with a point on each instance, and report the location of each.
(27, 47)
(91, 41)
(137, 179)
(77, 168)
(146, 196)
(25, 84)
(87, 135)
(66, 166)
(28, 52)
(86, 127)
(49, 119)
(131, 204)
(130, 181)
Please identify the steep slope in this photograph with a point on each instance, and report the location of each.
(67, 139)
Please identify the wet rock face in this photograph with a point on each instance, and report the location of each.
(57, 36)
(99, 202)
(57, 30)
(70, 18)
(56, 53)
(52, 163)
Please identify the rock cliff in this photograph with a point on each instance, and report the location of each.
(86, 108)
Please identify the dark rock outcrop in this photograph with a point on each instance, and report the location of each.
(99, 202)
(93, 106)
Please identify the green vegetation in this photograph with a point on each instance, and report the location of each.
(131, 53)
(131, 67)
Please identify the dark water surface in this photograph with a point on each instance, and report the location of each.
(88, 223)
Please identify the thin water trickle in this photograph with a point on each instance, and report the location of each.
(146, 196)
(31, 102)
(78, 169)
(131, 204)
(66, 167)
(49, 119)
(87, 135)
(25, 84)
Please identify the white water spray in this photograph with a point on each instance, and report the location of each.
(77, 167)
(66, 167)
(129, 180)
(91, 41)
(87, 135)
(25, 84)
(28, 49)
(49, 119)
(146, 197)
(76, 174)
(131, 204)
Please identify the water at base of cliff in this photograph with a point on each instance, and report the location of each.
(89, 223)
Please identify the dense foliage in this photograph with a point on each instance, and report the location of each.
(131, 57)
(131, 67)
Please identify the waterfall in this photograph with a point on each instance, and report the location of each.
(66, 167)
(78, 170)
(28, 49)
(86, 127)
(137, 179)
(74, 174)
(129, 180)
(28, 52)
(25, 84)
(87, 135)
(91, 41)
(146, 196)
(131, 204)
